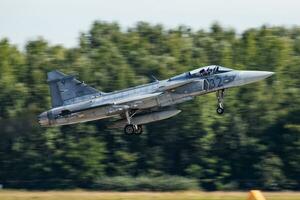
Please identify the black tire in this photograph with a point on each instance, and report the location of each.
(129, 129)
(220, 110)
(138, 130)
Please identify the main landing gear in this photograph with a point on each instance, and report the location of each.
(220, 98)
(132, 129)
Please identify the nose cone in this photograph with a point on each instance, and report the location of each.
(43, 119)
(253, 76)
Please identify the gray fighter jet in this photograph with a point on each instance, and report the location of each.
(74, 101)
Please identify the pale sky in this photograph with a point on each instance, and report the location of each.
(61, 21)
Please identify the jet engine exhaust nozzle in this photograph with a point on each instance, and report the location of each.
(43, 119)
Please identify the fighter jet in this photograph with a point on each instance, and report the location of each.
(74, 102)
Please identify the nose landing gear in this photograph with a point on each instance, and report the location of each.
(132, 129)
(220, 110)
(220, 98)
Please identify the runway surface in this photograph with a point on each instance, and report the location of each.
(92, 195)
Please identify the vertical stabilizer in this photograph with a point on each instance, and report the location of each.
(64, 88)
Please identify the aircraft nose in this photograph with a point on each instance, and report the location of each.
(43, 119)
(253, 76)
(263, 74)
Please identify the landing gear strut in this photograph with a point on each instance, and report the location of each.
(220, 98)
(131, 129)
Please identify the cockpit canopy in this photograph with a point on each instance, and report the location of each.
(202, 72)
(208, 70)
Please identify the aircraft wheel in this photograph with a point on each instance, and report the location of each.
(129, 129)
(220, 110)
(138, 130)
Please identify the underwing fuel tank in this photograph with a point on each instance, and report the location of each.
(148, 118)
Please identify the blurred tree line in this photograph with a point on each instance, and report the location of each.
(255, 144)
